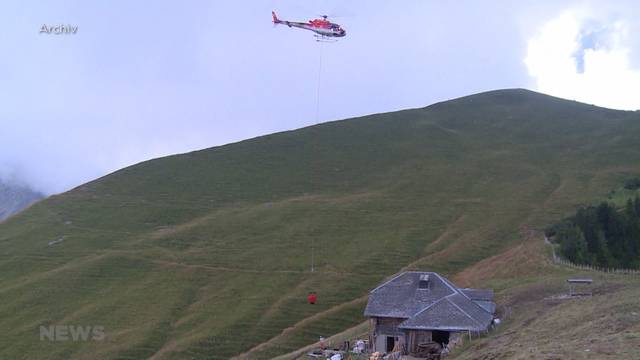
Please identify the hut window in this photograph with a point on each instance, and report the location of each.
(424, 282)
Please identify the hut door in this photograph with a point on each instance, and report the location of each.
(440, 337)
(391, 343)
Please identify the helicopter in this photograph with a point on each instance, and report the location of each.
(323, 27)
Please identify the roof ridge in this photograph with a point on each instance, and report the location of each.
(446, 282)
(474, 302)
(464, 312)
(402, 273)
(463, 294)
(388, 281)
(476, 289)
(427, 308)
(421, 311)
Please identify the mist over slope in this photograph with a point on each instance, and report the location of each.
(14, 198)
(208, 254)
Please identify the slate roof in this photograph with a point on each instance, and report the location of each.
(489, 306)
(440, 307)
(478, 294)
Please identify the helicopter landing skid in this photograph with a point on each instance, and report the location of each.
(322, 38)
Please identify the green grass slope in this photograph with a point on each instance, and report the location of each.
(207, 254)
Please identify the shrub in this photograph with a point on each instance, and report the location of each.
(632, 184)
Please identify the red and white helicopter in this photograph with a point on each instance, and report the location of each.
(323, 27)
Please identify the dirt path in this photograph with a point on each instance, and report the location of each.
(250, 271)
(335, 339)
(168, 347)
(305, 321)
(446, 233)
(526, 257)
(274, 307)
(523, 257)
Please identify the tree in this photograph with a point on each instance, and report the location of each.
(572, 244)
(587, 221)
(601, 235)
(602, 254)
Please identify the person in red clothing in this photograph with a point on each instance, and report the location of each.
(312, 298)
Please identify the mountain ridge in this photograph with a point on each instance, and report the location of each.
(14, 198)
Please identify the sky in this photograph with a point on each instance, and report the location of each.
(139, 80)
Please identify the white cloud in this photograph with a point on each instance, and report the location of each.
(579, 56)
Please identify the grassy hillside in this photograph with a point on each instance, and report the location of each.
(540, 322)
(207, 254)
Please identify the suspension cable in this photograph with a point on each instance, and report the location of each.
(319, 85)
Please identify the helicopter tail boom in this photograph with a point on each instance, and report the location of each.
(275, 18)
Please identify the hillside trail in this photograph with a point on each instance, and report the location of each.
(439, 240)
(523, 256)
(516, 255)
(246, 355)
(349, 333)
(250, 271)
(168, 347)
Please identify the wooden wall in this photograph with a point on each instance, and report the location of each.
(416, 337)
